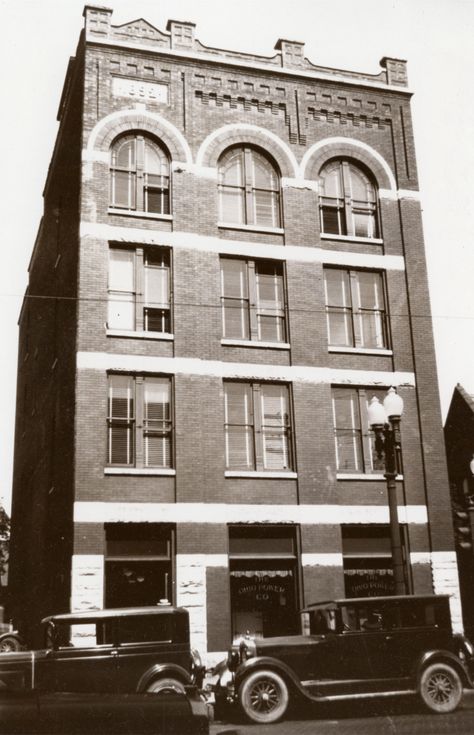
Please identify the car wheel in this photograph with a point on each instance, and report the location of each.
(264, 696)
(440, 688)
(166, 685)
(10, 643)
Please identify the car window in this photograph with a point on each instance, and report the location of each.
(80, 635)
(145, 629)
(322, 621)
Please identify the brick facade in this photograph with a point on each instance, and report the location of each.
(197, 102)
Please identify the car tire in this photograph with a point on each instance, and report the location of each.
(264, 696)
(440, 688)
(165, 685)
(10, 643)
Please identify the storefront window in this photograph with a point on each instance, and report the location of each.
(138, 564)
(367, 555)
(263, 581)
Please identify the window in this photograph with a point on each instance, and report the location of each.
(139, 175)
(367, 559)
(355, 442)
(347, 201)
(138, 571)
(249, 189)
(139, 425)
(139, 290)
(355, 308)
(253, 300)
(257, 426)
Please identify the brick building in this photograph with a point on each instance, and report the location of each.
(229, 266)
(459, 438)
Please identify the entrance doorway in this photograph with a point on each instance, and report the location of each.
(263, 580)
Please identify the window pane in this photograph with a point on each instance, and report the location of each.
(275, 405)
(340, 328)
(238, 404)
(263, 174)
(275, 451)
(337, 285)
(121, 403)
(157, 450)
(231, 168)
(124, 153)
(269, 286)
(235, 319)
(156, 285)
(156, 162)
(330, 181)
(157, 407)
(271, 328)
(239, 448)
(121, 270)
(333, 220)
(123, 189)
(364, 224)
(156, 320)
(121, 444)
(349, 451)
(121, 311)
(361, 189)
(266, 207)
(232, 205)
(234, 278)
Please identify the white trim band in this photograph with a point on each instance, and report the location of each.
(203, 243)
(251, 371)
(322, 560)
(223, 513)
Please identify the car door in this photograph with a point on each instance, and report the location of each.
(81, 662)
(145, 642)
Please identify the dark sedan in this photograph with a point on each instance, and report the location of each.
(129, 670)
(352, 649)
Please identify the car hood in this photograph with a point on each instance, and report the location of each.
(288, 641)
(18, 657)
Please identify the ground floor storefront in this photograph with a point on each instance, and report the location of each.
(246, 578)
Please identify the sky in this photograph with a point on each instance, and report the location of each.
(436, 38)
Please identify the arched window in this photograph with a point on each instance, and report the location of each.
(347, 201)
(249, 188)
(139, 175)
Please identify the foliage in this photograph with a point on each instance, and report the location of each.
(4, 540)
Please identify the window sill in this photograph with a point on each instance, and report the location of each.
(139, 335)
(154, 471)
(361, 350)
(251, 228)
(350, 238)
(262, 474)
(376, 476)
(140, 215)
(255, 343)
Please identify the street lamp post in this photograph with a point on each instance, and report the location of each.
(384, 420)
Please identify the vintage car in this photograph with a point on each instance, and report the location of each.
(107, 666)
(353, 648)
(10, 639)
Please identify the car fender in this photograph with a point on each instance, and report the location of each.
(160, 670)
(447, 657)
(266, 662)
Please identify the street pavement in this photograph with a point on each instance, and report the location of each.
(403, 716)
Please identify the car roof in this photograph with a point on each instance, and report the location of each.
(375, 600)
(119, 612)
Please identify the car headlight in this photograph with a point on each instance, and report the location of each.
(196, 657)
(247, 649)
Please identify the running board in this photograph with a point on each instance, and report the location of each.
(366, 695)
